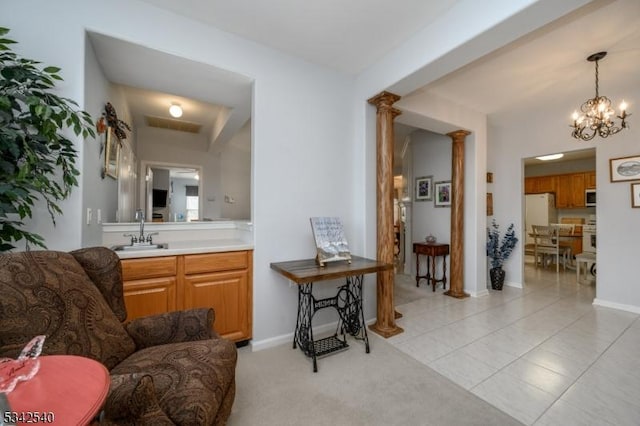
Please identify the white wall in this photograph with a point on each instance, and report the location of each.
(97, 192)
(431, 156)
(235, 175)
(618, 224)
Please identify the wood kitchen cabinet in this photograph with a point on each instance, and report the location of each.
(540, 184)
(590, 180)
(569, 188)
(570, 191)
(222, 281)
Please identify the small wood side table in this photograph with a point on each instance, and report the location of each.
(431, 251)
(66, 390)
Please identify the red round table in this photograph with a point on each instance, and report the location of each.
(70, 390)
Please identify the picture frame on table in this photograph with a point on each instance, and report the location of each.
(442, 193)
(624, 168)
(424, 188)
(635, 195)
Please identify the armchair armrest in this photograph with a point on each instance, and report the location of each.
(172, 327)
(132, 400)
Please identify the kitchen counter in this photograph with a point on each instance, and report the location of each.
(190, 247)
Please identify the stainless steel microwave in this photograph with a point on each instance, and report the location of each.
(590, 197)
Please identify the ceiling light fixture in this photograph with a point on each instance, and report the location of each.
(595, 114)
(550, 157)
(175, 110)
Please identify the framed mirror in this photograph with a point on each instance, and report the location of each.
(112, 154)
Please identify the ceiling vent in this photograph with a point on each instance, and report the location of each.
(168, 123)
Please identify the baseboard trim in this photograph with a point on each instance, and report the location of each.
(480, 293)
(619, 306)
(258, 345)
(513, 284)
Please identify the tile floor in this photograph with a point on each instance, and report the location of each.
(543, 354)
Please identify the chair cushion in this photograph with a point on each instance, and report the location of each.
(103, 267)
(49, 293)
(192, 380)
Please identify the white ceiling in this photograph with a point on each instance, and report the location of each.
(550, 63)
(543, 66)
(151, 80)
(345, 35)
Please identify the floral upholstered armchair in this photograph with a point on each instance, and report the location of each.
(165, 369)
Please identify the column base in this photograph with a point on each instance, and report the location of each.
(457, 295)
(386, 332)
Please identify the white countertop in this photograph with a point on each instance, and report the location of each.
(189, 247)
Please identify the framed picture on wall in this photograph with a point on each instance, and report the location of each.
(112, 154)
(624, 169)
(442, 193)
(635, 195)
(424, 188)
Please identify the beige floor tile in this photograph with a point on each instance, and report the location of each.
(462, 369)
(538, 376)
(543, 354)
(564, 414)
(519, 399)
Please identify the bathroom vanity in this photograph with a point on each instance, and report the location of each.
(199, 265)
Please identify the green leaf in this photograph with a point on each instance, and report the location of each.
(38, 162)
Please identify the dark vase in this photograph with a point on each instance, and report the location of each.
(497, 277)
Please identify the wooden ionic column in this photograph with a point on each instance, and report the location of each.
(456, 286)
(385, 323)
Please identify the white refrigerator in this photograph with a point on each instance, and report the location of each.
(540, 209)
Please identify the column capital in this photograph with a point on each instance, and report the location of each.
(384, 101)
(457, 135)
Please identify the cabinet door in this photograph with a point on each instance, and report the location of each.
(563, 193)
(590, 179)
(546, 184)
(577, 189)
(227, 294)
(530, 185)
(150, 296)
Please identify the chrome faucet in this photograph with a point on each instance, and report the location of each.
(140, 217)
(141, 238)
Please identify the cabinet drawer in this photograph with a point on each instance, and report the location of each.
(213, 262)
(150, 267)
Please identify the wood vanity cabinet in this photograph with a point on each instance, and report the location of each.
(150, 285)
(222, 281)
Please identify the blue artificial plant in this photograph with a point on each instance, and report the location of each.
(500, 251)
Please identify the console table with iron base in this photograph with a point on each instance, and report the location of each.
(347, 302)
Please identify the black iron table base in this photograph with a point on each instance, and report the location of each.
(348, 304)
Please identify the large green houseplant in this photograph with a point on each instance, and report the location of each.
(38, 159)
(499, 251)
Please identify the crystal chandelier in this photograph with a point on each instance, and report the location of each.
(595, 114)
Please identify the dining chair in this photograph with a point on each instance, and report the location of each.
(546, 244)
(566, 233)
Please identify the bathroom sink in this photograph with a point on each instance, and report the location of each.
(139, 247)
